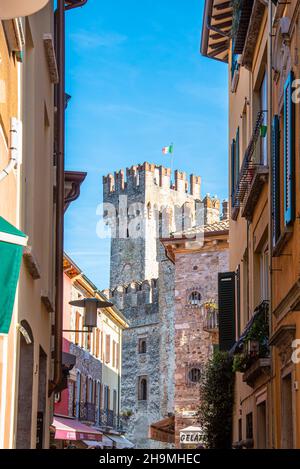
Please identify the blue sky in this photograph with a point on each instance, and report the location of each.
(138, 82)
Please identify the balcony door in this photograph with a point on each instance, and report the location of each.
(261, 412)
(264, 107)
(287, 430)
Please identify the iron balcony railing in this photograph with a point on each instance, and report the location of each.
(251, 163)
(89, 412)
(85, 411)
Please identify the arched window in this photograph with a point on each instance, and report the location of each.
(194, 375)
(149, 211)
(142, 345)
(143, 391)
(195, 299)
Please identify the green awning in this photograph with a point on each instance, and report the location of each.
(12, 242)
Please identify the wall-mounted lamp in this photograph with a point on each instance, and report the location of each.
(90, 306)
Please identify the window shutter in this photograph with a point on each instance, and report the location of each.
(107, 349)
(289, 208)
(237, 157)
(118, 356)
(276, 179)
(238, 299)
(226, 295)
(232, 171)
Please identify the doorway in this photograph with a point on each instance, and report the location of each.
(287, 437)
(23, 438)
(42, 393)
(261, 412)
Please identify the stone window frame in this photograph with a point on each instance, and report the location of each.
(142, 393)
(189, 368)
(192, 302)
(141, 340)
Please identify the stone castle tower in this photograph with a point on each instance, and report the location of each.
(147, 192)
(140, 210)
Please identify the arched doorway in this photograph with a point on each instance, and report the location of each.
(24, 414)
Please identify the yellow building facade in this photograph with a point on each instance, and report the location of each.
(260, 41)
(26, 201)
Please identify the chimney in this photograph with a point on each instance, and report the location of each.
(211, 209)
(225, 210)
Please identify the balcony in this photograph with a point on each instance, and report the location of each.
(252, 351)
(253, 175)
(85, 411)
(89, 412)
(107, 418)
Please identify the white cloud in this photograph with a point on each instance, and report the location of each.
(89, 40)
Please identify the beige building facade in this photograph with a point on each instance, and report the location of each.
(26, 193)
(260, 41)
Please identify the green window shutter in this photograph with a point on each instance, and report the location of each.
(289, 156)
(226, 295)
(238, 299)
(232, 172)
(275, 179)
(237, 156)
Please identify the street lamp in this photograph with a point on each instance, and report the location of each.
(90, 306)
(14, 8)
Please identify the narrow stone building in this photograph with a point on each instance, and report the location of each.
(140, 210)
(198, 255)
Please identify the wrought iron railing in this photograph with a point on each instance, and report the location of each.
(251, 162)
(89, 412)
(253, 344)
(85, 411)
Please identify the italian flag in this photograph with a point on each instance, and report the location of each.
(168, 149)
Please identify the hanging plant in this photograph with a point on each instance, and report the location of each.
(241, 362)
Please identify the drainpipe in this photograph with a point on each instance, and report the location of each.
(62, 6)
(215, 29)
(270, 194)
(13, 161)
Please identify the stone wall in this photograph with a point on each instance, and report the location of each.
(142, 283)
(146, 193)
(195, 272)
(88, 366)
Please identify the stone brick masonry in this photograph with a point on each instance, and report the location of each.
(142, 284)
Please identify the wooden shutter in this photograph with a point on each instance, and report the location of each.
(77, 327)
(275, 179)
(226, 295)
(113, 353)
(238, 300)
(118, 356)
(232, 171)
(107, 349)
(289, 195)
(237, 157)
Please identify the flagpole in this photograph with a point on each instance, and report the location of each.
(172, 161)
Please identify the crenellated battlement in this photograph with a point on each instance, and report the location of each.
(134, 294)
(147, 174)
